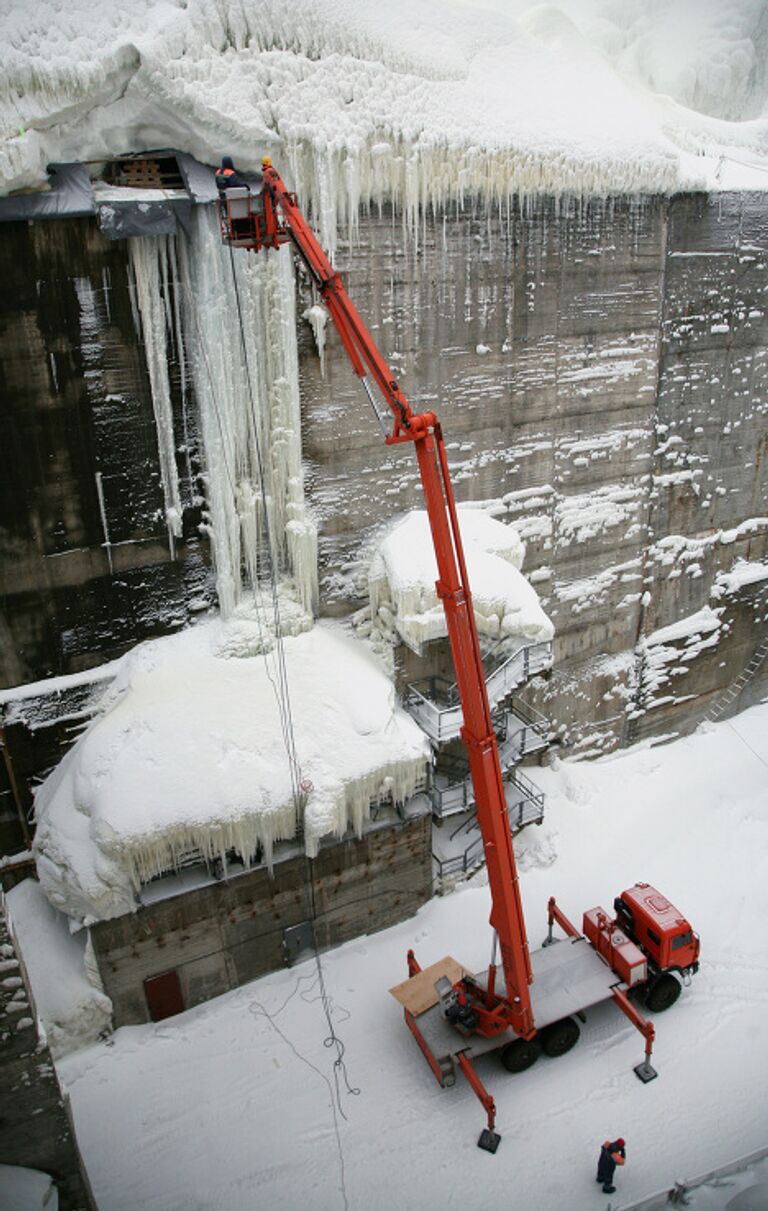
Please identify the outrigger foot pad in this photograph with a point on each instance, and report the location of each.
(646, 1072)
(489, 1140)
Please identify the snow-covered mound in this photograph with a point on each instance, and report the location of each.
(190, 753)
(403, 571)
(71, 1005)
(420, 101)
(27, 1190)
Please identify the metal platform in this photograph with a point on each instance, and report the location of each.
(569, 976)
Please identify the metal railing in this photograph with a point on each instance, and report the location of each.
(525, 802)
(525, 805)
(729, 696)
(461, 864)
(522, 731)
(434, 702)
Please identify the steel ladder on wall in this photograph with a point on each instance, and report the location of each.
(733, 691)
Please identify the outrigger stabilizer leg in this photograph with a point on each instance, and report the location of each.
(644, 1072)
(489, 1138)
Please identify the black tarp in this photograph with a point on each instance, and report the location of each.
(135, 216)
(70, 196)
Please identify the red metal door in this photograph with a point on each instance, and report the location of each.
(163, 995)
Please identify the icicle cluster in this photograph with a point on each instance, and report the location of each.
(485, 104)
(241, 326)
(150, 264)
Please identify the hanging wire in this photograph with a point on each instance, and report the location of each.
(280, 686)
(332, 1040)
(285, 701)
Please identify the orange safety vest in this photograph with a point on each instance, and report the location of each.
(615, 1156)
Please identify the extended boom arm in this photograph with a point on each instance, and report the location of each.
(281, 220)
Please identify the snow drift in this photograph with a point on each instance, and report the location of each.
(189, 753)
(71, 1005)
(403, 571)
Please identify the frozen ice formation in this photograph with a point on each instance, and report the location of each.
(151, 261)
(403, 571)
(415, 102)
(247, 386)
(188, 753)
(246, 379)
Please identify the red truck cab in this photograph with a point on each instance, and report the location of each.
(658, 928)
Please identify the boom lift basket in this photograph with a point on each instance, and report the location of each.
(246, 221)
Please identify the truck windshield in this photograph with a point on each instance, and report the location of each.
(682, 939)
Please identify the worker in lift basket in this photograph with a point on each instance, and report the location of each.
(227, 177)
(612, 1153)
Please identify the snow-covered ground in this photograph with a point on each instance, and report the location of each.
(26, 1190)
(231, 1105)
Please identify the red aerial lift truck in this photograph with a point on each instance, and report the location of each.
(648, 947)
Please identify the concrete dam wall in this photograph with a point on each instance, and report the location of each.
(601, 373)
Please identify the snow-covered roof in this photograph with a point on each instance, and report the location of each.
(417, 100)
(403, 571)
(189, 753)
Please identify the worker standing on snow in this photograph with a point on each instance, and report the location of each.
(612, 1153)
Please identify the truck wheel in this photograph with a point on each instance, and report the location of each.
(662, 993)
(560, 1037)
(518, 1056)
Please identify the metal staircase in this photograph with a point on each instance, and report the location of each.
(434, 702)
(521, 731)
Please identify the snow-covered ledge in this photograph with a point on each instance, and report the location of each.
(188, 752)
(403, 571)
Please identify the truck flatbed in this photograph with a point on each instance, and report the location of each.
(568, 976)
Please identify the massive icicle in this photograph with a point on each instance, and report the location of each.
(241, 328)
(149, 261)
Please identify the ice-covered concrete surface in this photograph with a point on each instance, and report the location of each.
(72, 1010)
(231, 1104)
(403, 572)
(189, 752)
(417, 101)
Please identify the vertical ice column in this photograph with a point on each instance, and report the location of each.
(246, 382)
(149, 260)
(296, 529)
